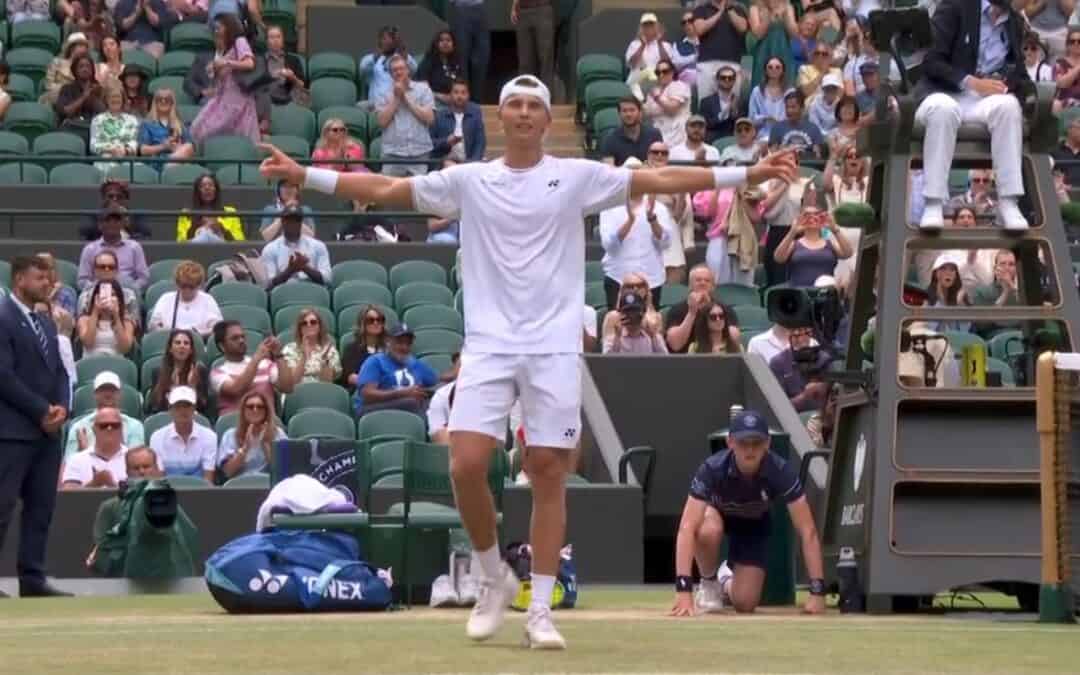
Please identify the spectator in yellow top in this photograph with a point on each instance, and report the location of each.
(206, 197)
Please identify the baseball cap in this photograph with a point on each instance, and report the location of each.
(948, 259)
(401, 330)
(106, 378)
(182, 395)
(868, 67)
(526, 85)
(649, 17)
(831, 80)
(748, 425)
(744, 121)
(695, 119)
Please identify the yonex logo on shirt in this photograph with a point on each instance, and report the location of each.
(569, 433)
(553, 183)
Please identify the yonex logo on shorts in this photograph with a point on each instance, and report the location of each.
(553, 183)
(569, 433)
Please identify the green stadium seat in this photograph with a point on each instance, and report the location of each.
(321, 423)
(281, 13)
(293, 146)
(723, 142)
(173, 83)
(239, 293)
(440, 363)
(373, 128)
(5, 274)
(958, 181)
(1006, 344)
(316, 395)
(177, 63)
(227, 147)
(191, 36)
(422, 293)
(68, 272)
(137, 174)
(257, 480)
(252, 318)
(673, 294)
(603, 94)
(21, 173)
(355, 119)
(332, 91)
(12, 143)
(752, 317)
(304, 293)
(595, 68)
(29, 61)
(603, 122)
(331, 64)
(60, 144)
(181, 482)
(813, 174)
(359, 270)
(182, 174)
(163, 270)
(416, 270)
(188, 112)
(285, 318)
(374, 152)
(437, 341)
(154, 292)
(735, 294)
(162, 419)
(147, 370)
(88, 367)
(346, 320)
(225, 422)
(391, 424)
(434, 316)
(74, 174)
(594, 271)
(146, 61)
(20, 88)
(29, 119)
(244, 174)
(361, 293)
(83, 401)
(595, 296)
(293, 120)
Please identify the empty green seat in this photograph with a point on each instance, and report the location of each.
(148, 370)
(321, 423)
(603, 122)
(673, 294)
(438, 361)
(60, 143)
(176, 62)
(255, 480)
(191, 36)
(242, 174)
(416, 270)
(596, 67)
(239, 293)
(595, 296)
(332, 91)
(146, 61)
(88, 367)
(12, 143)
(174, 83)
(253, 318)
(304, 293)
(182, 174)
(227, 147)
(309, 395)
(734, 294)
(29, 119)
(359, 270)
(437, 341)
(163, 270)
(138, 174)
(355, 119)
(603, 94)
(434, 316)
(20, 87)
(361, 292)
(293, 146)
(187, 112)
(391, 424)
(594, 271)
(29, 61)
(752, 317)
(331, 64)
(21, 173)
(293, 120)
(422, 293)
(74, 174)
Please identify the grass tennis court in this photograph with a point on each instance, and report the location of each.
(614, 630)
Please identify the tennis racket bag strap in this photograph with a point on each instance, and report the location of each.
(295, 571)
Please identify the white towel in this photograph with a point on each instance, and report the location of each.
(299, 494)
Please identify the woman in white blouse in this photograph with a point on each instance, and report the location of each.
(249, 446)
(667, 105)
(105, 328)
(188, 307)
(312, 355)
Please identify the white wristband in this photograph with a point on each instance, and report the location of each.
(725, 176)
(321, 180)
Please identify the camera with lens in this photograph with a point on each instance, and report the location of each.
(816, 308)
(632, 308)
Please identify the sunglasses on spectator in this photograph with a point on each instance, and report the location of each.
(716, 316)
(337, 130)
(163, 99)
(374, 319)
(107, 426)
(822, 53)
(254, 406)
(1073, 41)
(774, 66)
(105, 266)
(664, 71)
(310, 321)
(726, 78)
(661, 153)
(981, 180)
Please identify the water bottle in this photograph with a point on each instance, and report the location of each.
(974, 359)
(852, 599)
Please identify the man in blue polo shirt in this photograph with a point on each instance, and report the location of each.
(732, 493)
(395, 379)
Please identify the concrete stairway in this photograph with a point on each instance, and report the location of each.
(565, 139)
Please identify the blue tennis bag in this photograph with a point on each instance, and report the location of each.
(295, 571)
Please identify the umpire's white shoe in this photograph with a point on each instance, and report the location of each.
(540, 632)
(494, 596)
(722, 575)
(709, 598)
(933, 217)
(1010, 216)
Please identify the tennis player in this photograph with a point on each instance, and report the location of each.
(523, 238)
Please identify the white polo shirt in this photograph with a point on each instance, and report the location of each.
(640, 252)
(523, 233)
(81, 466)
(185, 458)
(681, 153)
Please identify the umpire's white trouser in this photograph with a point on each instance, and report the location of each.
(942, 114)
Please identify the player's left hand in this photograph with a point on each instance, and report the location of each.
(782, 164)
(684, 605)
(815, 604)
(280, 166)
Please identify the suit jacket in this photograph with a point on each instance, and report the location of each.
(955, 53)
(30, 380)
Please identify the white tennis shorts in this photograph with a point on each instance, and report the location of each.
(549, 386)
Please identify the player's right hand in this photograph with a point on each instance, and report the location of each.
(684, 605)
(280, 166)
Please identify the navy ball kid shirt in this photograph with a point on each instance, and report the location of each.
(744, 501)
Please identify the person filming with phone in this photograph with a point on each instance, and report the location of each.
(395, 379)
(633, 335)
(812, 247)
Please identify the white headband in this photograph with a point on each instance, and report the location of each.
(535, 88)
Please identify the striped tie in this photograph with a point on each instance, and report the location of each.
(43, 339)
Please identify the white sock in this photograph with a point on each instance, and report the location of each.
(489, 562)
(543, 585)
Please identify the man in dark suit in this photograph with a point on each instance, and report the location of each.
(971, 75)
(33, 406)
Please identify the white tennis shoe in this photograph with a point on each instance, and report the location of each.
(709, 598)
(540, 632)
(492, 599)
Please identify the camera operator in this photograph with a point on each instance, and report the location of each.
(141, 462)
(375, 67)
(632, 334)
(799, 369)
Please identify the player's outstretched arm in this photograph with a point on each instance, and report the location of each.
(803, 521)
(682, 179)
(685, 546)
(366, 188)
